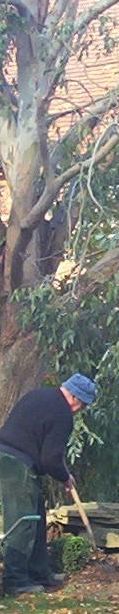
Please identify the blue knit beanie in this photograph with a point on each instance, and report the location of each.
(81, 387)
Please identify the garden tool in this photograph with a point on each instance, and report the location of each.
(100, 558)
(28, 518)
(83, 515)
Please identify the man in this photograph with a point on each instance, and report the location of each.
(32, 444)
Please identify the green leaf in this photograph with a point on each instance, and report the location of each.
(110, 319)
(57, 365)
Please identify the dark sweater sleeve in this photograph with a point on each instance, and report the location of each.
(54, 448)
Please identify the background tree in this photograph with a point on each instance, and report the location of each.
(75, 179)
(35, 168)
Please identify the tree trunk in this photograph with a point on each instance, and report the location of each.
(21, 368)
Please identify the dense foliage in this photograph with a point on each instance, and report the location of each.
(69, 553)
(84, 340)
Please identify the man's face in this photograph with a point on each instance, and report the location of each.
(77, 405)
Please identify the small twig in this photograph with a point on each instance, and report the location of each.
(69, 211)
(92, 81)
(82, 259)
(99, 141)
(83, 87)
(81, 210)
(67, 100)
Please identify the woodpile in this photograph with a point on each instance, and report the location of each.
(103, 517)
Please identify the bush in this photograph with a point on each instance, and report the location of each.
(69, 553)
(76, 553)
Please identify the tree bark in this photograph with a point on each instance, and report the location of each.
(21, 369)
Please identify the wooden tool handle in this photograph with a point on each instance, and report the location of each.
(83, 515)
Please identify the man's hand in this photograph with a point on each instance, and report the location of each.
(70, 482)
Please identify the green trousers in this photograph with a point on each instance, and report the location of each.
(25, 551)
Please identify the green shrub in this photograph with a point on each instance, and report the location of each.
(69, 553)
(75, 553)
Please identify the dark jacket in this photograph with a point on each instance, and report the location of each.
(38, 428)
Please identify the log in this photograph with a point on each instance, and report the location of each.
(103, 517)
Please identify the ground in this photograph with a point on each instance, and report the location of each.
(94, 590)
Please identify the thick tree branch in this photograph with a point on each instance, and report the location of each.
(90, 118)
(48, 196)
(36, 214)
(48, 62)
(58, 55)
(42, 11)
(56, 14)
(102, 271)
(105, 267)
(53, 118)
